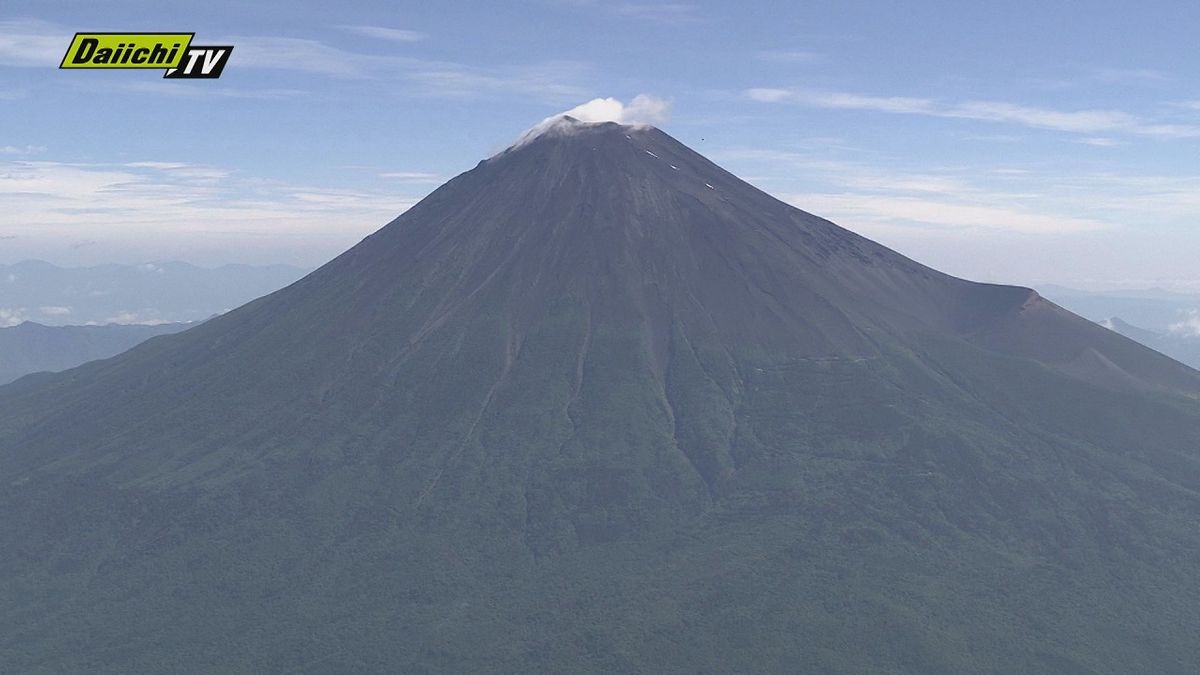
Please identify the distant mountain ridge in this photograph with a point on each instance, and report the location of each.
(1166, 321)
(1151, 309)
(32, 348)
(35, 290)
(1182, 347)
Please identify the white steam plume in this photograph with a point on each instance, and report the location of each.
(642, 110)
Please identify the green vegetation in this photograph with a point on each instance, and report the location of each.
(608, 421)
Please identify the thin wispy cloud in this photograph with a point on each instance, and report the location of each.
(651, 11)
(197, 91)
(549, 80)
(62, 200)
(1085, 78)
(413, 176)
(832, 99)
(385, 33)
(183, 170)
(32, 43)
(662, 12)
(869, 211)
(992, 138)
(964, 201)
(304, 55)
(789, 56)
(1073, 121)
(36, 43)
(553, 81)
(1146, 200)
(890, 203)
(1129, 76)
(1080, 121)
(21, 149)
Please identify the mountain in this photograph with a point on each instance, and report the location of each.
(31, 347)
(34, 290)
(1165, 321)
(1153, 309)
(1130, 331)
(1182, 347)
(597, 405)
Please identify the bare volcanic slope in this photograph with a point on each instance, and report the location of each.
(597, 404)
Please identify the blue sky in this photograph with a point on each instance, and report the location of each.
(1025, 142)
